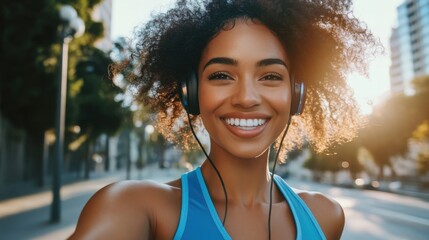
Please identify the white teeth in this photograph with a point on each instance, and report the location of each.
(241, 122)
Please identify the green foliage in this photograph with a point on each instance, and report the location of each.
(293, 154)
(27, 89)
(422, 131)
(322, 162)
(423, 163)
(30, 50)
(95, 29)
(98, 111)
(340, 157)
(193, 156)
(347, 154)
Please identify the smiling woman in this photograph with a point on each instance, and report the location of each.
(238, 69)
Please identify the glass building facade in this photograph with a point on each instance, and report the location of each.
(409, 45)
(103, 13)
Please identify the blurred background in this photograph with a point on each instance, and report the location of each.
(66, 129)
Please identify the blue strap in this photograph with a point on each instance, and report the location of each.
(184, 209)
(307, 226)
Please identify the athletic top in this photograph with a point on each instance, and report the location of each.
(199, 219)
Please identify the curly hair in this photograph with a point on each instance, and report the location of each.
(323, 40)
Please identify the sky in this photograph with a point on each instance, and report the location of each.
(379, 15)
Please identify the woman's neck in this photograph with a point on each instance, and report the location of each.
(247, 181)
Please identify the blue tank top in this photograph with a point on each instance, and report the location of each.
(199, 219)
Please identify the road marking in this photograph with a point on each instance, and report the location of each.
(401, 216)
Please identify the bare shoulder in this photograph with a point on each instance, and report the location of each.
(125, 210)
(327, 211)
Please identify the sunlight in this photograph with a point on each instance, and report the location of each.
(361, 86)
(369, 90)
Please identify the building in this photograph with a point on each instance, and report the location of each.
(103, 13)
(409, 45)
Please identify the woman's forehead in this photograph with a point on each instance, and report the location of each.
(245, 40)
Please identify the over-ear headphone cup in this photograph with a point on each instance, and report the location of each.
(189, 94)
(194, 106)
(298, 97)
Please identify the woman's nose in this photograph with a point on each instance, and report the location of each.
(246, 94)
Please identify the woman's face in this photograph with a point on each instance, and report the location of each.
(244, 89)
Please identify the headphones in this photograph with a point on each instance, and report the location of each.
(188, 93)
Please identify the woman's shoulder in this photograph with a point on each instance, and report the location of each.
(141, 194)
(128, 208)
(139, 188)
(327, 211)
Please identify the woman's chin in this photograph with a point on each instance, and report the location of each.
(248, 153)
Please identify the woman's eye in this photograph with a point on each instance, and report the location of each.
(272, 76)
(219, 76)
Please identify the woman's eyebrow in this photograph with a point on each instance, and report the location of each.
(221, 60)
(233, 62)
(270, 61)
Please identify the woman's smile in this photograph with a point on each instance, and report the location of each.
(246, 130)
(245, 125)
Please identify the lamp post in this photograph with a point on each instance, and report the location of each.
(71, 26)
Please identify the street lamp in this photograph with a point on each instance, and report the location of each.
(71, 26)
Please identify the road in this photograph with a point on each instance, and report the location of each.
(370, 215)
(373, 215)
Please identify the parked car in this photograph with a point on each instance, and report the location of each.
(362, 183)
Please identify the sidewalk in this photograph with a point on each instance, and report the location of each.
(28, 217)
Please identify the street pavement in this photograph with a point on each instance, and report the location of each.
(377, 215)
(28, 217)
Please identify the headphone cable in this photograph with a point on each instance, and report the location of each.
(272, 176)
(214, 167)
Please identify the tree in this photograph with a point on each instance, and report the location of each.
(27, 88)
(393, 122)
(320, 163)
(346, 156)
(387, 131)
(421, 133)
(418, 101)
(30, 50)
(97, 112)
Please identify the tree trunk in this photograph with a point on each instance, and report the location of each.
(128, 153)
(161, 159)
(107, 155)
(393, 177)
(34, 146)
(381, 173)
(87, 165)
